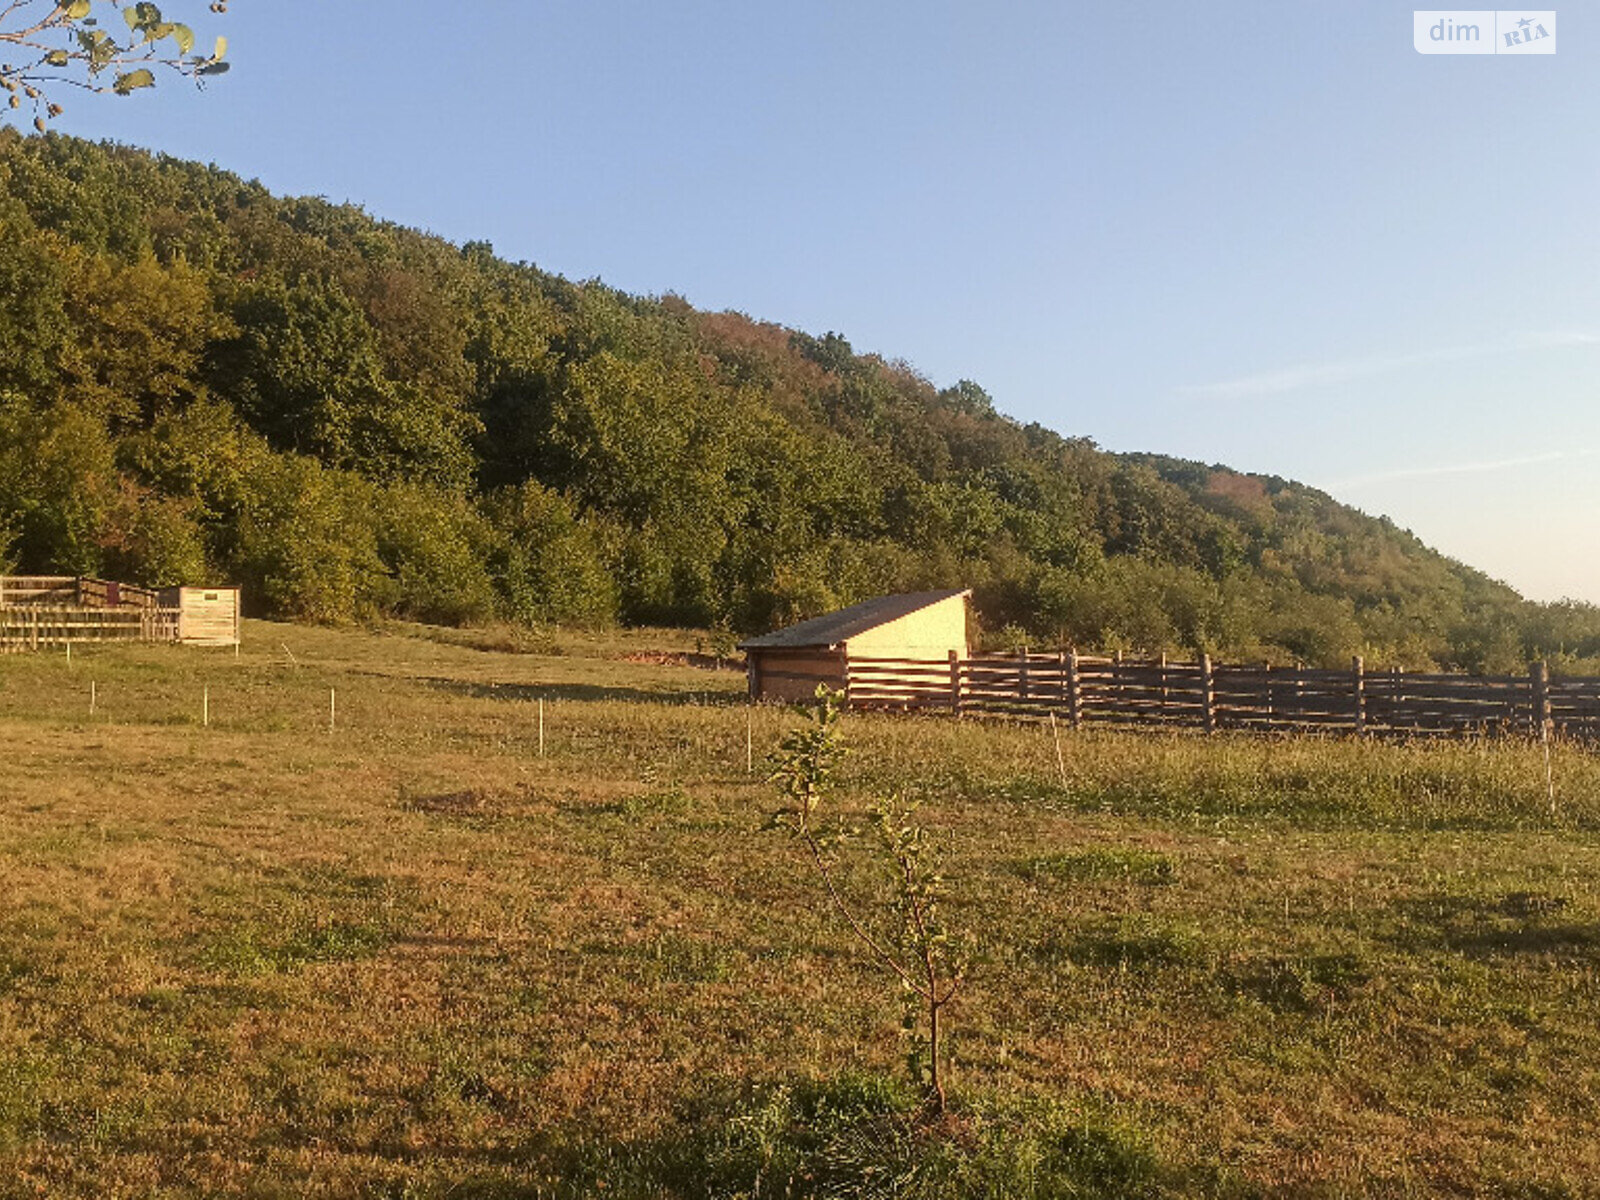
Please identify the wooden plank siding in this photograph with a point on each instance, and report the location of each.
(1155, 693)
(206, 616)
(794, 674)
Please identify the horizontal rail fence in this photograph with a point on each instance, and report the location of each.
(38, 589)
(81, 590)
(902, 683)
(1087, 691)
(102, 593)
(40, 612)
(1575, 704)
(39, 626)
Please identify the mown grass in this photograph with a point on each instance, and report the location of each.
(413, 957)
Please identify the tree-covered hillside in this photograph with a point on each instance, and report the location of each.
(201, 380)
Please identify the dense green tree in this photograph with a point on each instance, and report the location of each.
(153, 540)
(58, 485)
(548, 564)
(306, 542)
(306, 369)
(435, 546)
(34, 330)
(139, 333)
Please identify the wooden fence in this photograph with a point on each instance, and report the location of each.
(1208, 696)
(81, 591)
(49, 611)
(46, 626)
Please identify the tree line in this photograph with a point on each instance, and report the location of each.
(202, 381)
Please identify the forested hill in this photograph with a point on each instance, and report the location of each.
(201, 380)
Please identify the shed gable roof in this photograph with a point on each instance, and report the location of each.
(832, 628)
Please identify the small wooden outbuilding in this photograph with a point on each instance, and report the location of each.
(206, 616)
(789, 664)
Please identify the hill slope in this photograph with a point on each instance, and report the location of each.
(349, 417)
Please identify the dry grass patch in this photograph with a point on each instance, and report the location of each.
(414, 957)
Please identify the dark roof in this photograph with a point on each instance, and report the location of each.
(832, 628)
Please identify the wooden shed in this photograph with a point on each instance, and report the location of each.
(789, 663)
(206, 616)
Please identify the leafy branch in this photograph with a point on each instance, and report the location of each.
(928, 962)
(61, 43)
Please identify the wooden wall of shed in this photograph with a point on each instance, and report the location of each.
(785, 674)
(930, 632)
(206, 616)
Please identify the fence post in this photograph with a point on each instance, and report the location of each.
(1074, 691)
(955, 683)
(1541, 697)
(1208, 694)
(1358, 670)
(1022, 673)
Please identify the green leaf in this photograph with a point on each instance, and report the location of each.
(184, 36)
(216, 68)
(56, 58)
(131, 16)
(76, 10)
(221, 51)
(132, 81)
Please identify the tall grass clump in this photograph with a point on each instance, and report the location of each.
(866, 1137)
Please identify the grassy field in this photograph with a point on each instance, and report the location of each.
(412, 957)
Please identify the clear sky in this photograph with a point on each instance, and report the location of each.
(1266, 234)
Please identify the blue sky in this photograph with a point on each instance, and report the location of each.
(1265, 234)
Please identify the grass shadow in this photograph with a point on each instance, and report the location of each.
(1517, 923)
(585, 693)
